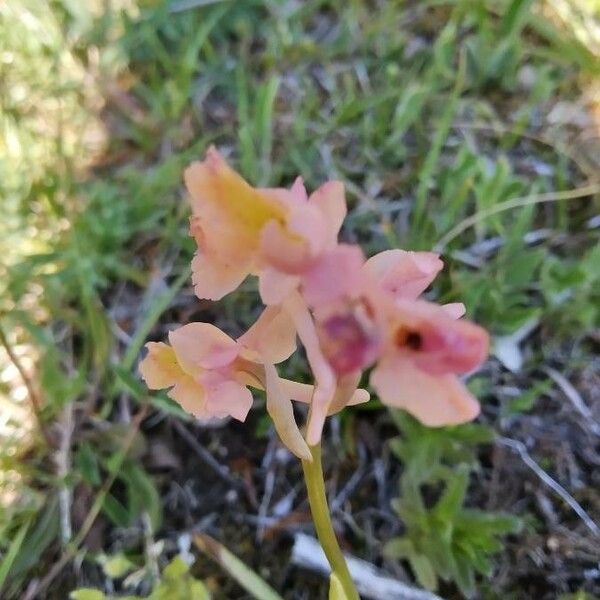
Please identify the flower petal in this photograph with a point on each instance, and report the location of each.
(214, 279)
(455, 310)
(200, 346)
(228, 218)
(279, 406)
(160, 368)
(274, 286)
(325, 380)
(331, 202)
(298, 190)
(346, 391)
(337, 273)
(303, 392)
(273, 335)
(225, 397)
(189, 394)
(292, 246)
(404, 274)
(434, 400)
(439, 343)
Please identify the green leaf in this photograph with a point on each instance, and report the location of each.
(515, 17)
(178, 584)
(39, 537)
(87, 464)
(87, 594)
(13, 551)
(453, 497)
(424, 571)
(246, 577)
(116, 566)
(400, 547)
(176, 569)
(115, 511)
(142, 494)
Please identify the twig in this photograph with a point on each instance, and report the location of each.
(370, 581)
(90, 519)
(522, 201)
(576, 400)
(63, 467)
(268, 488)
(351, 484)
(36, 403)
(551, 483)
(205, 456)
(150, 550)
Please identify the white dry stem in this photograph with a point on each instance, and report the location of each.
(576, 400)
(370, 581)
(63, 468)
(551, 483)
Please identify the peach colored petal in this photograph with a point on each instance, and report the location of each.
(404, 274)
(292, 246)
(273, 335)
(346, 390)
(455, 310)
(303, 392)
(436, 342)
(274, 286)
(160, 368)
(201, 346)
(213, 279)
(287, 253)
(336, 274)
(434, 400)
(324, 376)
(228, 218)
(225, 397)
(331, 202)
(279, 407)
(298, 190)
(189, 394)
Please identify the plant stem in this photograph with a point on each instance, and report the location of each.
(315, 484)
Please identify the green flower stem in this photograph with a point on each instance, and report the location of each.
(315, 484)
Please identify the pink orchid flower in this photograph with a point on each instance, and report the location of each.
(426, 347)
(424, 352)
(274, 233)
(208, 373)
(419, 348)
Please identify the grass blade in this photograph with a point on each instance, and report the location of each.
(12, 553)
(246, 577)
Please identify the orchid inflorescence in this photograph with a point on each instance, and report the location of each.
(348, 312)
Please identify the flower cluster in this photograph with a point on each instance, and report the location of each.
(348, 312)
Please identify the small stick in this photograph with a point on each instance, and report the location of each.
(205, 456)
(576, 400)
(551, 483)
(63, 467)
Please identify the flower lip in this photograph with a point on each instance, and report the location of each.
(408, 338)
(348, 341)
(436, 342)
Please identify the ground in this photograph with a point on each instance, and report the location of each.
(465, 126)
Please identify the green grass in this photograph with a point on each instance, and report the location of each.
(431, 112)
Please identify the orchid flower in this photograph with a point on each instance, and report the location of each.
(274, 233)
(208, 373)
(349, 313)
